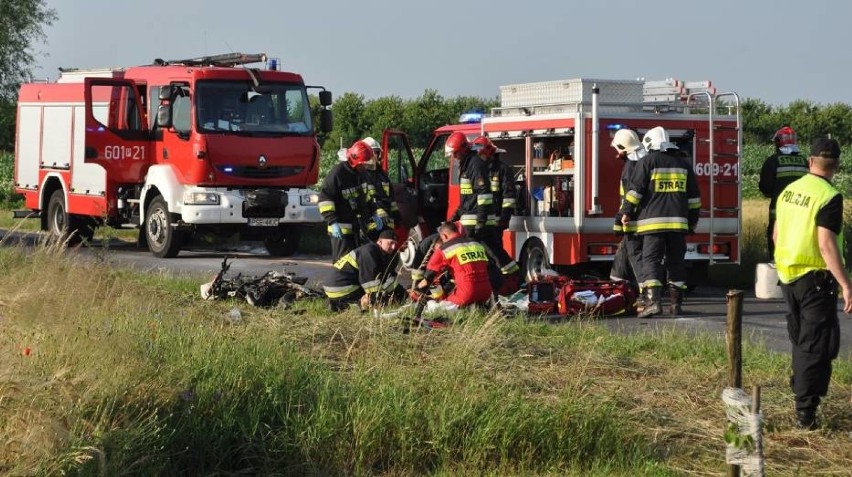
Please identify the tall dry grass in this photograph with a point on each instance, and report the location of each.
(109, 372)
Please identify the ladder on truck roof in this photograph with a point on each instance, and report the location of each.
(711, 98)
(226, 60)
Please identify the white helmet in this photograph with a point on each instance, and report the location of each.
(657, 139)
(377, 151)
(626, 141)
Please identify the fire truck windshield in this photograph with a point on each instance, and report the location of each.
(225, 107)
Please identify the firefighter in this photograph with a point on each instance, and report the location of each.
(366, 274)
(502, 185)
(467, 262)
(477, 201)
(778, 171)
(808, 254)
(665, 193)
(378, 193)
(627, 260)
(342, 202)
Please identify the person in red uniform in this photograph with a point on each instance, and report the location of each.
(468, 263)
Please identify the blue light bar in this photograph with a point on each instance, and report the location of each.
(471, 117)
(615, 127)
(228, 169)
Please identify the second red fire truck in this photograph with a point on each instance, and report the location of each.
(557, 136)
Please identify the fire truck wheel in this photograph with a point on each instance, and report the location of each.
(284, 242)
(534, 258)
(63, 226)
(163, 240)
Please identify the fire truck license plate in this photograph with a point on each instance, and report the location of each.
(263, 222)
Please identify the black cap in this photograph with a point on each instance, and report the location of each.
(387, 234)
(825, 147)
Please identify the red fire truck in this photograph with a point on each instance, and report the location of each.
(557, 136)
(180, 148)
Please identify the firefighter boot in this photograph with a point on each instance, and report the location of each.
(652, 303)
(641, 301)
(676, 299)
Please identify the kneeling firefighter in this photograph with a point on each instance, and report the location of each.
(467, 262)
(366, 274)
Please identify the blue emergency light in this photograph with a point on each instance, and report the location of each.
(615, 127)
(470, 117)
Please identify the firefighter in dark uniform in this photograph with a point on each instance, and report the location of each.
(502, 185)
(342, 201)
(664, 189)
(626, 264)
(383, 209)
(779, 170)
(809, 244)
(477, 201)
(366, 274)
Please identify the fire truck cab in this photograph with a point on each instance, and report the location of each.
(557, 136)
(201, 146)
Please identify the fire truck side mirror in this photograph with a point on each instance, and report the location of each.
(325, 98)
(164, 116)
(326, 122)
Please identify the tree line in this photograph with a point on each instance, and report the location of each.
(22, 24)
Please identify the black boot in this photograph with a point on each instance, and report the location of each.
(676, 299)
(806, 419)
(641, 301)
(652, 303)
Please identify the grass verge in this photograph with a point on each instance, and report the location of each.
(108, 372)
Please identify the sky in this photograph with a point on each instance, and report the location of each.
(776, 51)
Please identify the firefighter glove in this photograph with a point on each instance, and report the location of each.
(336, 231)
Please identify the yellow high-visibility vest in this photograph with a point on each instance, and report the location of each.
(797, 246)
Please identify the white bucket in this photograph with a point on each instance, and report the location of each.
(766, 282)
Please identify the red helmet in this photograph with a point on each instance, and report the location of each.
(484, 147)
(457, 142)
(785, 137)
(359, 153)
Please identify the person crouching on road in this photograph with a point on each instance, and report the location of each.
(467, 261)
(809, 244)
(342, 201)
(367, 273)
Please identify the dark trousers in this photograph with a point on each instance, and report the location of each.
(770, 244)
(814, 333)
(672, 246)
(342, 246)
(492, 238)
(626, 265)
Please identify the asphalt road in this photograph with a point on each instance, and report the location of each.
(705, 309)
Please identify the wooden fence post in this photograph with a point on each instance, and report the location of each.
(733, 340)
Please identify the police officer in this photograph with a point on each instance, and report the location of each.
(627, 260)
(808, 246)
(381, 203)
(477, 201)
(778, 171)
(342, 201)
(367, 273)
(664, 190)
(502, 186)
